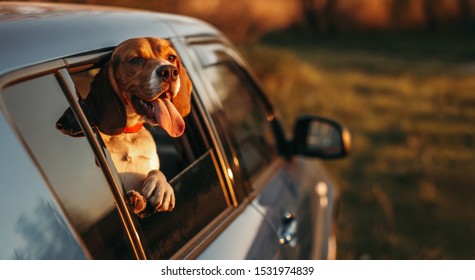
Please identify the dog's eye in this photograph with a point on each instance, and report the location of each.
(136, 60)
(172, 58)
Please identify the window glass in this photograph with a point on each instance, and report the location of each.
(69, 166)
(245, 116)
(199, 199)
(28, 206)
(189, 164)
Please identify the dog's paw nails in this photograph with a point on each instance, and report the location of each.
(168, 202)
(136, 201)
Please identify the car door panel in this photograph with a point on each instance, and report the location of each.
(248, 236)
(317, 198)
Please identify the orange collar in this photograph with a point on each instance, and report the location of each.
(134, 128)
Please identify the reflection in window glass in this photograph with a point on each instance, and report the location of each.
(30, 206)
(323, 138)
(69, 165)
(246, 117)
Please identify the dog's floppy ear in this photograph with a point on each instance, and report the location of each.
(105, 105)
(68, 124)
(182, 100)
(102, 107)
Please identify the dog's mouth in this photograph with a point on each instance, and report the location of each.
(162, 111)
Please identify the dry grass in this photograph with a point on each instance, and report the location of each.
(407, 189)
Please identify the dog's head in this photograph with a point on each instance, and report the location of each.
(148, 75)
(144, 81)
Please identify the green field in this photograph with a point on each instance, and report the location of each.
(407, 191)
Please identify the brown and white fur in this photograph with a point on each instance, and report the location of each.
(143, 82)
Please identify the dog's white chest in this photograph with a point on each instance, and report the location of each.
(133, 154)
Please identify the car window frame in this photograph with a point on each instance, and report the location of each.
(104, 161)
(257, 183)
(189, 58)
(237, 182)
(208, 233)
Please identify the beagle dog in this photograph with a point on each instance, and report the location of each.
(143, 82)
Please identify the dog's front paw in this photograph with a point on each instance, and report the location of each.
(158, 192)
(136, 201)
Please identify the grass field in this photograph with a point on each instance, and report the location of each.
(407, 190)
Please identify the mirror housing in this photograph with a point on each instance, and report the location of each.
(321, 138)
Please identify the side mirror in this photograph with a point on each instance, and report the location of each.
(322, 138)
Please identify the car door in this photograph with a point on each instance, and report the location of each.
(252, 143)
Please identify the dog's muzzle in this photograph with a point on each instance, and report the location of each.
(167, 73)
(162, 111)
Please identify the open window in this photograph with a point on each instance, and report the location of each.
(83, 187)
(190, 165)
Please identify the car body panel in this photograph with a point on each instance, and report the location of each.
(249, 232)
(318, 195)
(66, 30)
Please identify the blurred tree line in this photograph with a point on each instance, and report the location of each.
(250, 19)
(332, 16)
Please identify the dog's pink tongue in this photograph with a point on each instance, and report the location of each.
(168, 117)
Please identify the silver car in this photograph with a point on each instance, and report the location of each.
(244, 191)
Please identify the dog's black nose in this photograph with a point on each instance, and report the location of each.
(168, 72)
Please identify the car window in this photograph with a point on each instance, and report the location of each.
(68, 164)
(246, 116)
(240, 111)
(23, 234)
(190, 165)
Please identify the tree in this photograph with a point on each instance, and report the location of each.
(320, 17)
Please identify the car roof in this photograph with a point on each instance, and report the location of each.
(33, 33)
